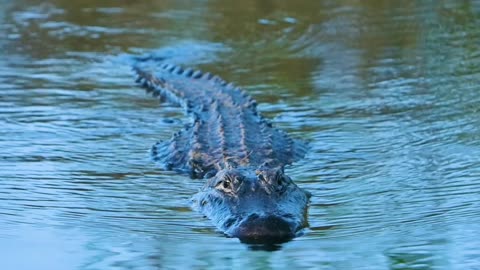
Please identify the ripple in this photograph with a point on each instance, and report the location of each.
(386, 95)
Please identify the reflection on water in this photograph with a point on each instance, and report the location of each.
(386, 92)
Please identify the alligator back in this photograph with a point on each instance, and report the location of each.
(226, 129)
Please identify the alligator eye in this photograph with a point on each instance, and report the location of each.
(224, 185)
(282, 183)
(279, 178)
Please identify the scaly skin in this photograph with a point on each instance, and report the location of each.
(247, 194)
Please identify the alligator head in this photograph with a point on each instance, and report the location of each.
(256, 206)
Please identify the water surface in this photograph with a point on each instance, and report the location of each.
(386, 92)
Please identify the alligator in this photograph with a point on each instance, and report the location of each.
(247, 194)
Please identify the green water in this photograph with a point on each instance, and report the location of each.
(386, 92)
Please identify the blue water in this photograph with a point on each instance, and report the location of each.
(386, 93)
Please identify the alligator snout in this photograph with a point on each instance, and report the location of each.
(264, 229)
(258, 207)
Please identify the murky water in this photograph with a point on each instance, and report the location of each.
(387, 93)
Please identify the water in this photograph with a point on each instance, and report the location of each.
(386, 92)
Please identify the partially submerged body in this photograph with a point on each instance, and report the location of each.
(247, 195)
